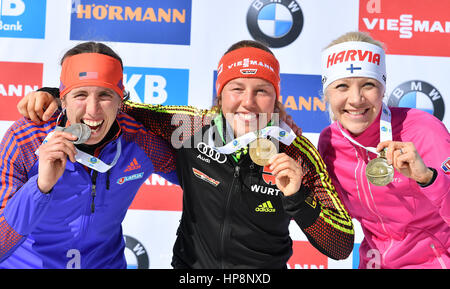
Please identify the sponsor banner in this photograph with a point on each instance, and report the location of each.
(413, 27)
(305, 256)
(149, 238)
(158, 194)
(22, 18)
(355, 262)
(276, 23)
(156, 21)
(301, 97)
(135, 254)
(157, 85)
(16, 80)
(418, 94)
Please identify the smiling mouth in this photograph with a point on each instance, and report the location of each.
(356, 112)
(246, 116)
(93, 125)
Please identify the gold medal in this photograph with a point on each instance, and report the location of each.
(261, 150)
(378, 172)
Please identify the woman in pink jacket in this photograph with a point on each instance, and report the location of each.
(405, 211)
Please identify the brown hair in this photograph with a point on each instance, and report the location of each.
(279, 108)
(91, 47)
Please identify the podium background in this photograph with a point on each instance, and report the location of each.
(170, 51)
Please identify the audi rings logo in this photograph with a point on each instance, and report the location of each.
(276, 23)
(211, 153)
(418, 94)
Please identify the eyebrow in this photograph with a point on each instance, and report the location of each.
(100, 92)
(238, 82)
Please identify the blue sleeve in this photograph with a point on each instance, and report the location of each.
(26, 208)
(22, 203)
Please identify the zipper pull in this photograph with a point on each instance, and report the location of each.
(93, 193)
(236, 171)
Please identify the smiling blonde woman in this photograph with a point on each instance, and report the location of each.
(405, 222)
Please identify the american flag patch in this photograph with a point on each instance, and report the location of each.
(88, 75)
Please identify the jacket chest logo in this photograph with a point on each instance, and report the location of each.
(269, 179)
(205, 177)
(123, 180)
(210, 153)
(265, 207)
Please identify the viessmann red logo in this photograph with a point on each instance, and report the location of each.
(413, 27)
(16, 80)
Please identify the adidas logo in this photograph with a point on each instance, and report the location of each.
(265, 207)
(134, 165)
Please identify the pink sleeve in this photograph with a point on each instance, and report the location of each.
(432, 142)
(438, 194)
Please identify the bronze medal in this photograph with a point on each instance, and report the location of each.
(378, 172)
(261, 150)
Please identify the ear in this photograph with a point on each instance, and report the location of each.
(63, 103)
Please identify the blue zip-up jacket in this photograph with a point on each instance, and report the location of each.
(73, 226)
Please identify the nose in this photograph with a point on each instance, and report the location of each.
(92, 105)
(248, 99)
(356, 96)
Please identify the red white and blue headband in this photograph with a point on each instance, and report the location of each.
(353, 59)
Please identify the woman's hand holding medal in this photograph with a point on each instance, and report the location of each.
(405, 159)
(288, 173)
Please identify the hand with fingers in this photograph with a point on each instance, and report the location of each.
(38, 106)
(288, 173)
(53, 158)
(403, 156)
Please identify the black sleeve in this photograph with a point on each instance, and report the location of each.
(52, 90)
(297, 206)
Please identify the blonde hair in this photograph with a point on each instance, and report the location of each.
(355, 36)
(347, 37)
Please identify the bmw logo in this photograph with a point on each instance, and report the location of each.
(135, 254)
(276, 23)
(418, 94)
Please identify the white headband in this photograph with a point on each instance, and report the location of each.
(353, 59)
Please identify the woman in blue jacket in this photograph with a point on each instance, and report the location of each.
(62, 204)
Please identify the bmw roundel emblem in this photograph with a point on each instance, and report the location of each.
(135, 254)
(276, 23)
(418, 94)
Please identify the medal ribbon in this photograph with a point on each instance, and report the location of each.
(96, 163)
(91, 161)
(385, 130)
(283, 133)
